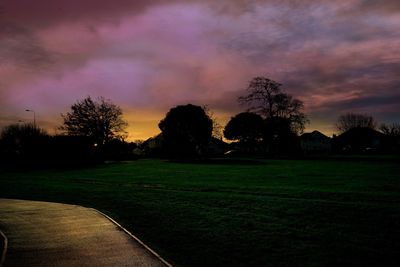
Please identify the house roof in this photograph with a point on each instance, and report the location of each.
(314, 136)
(360, 132)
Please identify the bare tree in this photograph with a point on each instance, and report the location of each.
(100, 120)
(392, 129)
(348, 121)
(266, 98)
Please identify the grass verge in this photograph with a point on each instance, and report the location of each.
(275, 213)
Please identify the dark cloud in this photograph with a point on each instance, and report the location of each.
(386, 6)
(371, 103)
(49, 12)
(20, 46)
(44, 13)
(370, 78)
(334, 55)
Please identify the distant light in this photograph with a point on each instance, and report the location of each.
(95, 144)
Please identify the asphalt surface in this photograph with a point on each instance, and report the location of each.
(52, 234)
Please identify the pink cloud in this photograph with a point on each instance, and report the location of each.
(154, 56)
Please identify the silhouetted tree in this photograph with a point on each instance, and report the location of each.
(246, 127)
(21, 131)
(100, 120)
(186, 130)
(349, 121)
(23, 141)
(279, 136)
(266, 98)
(390, 129)
(392, 135)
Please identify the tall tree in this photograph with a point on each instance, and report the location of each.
(187, 130)
(266, 98)
(350, 120)
(279, 136)
(100, 120)
(246, 127)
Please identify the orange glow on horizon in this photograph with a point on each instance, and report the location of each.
(144, 124)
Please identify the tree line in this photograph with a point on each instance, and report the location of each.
(95, 129)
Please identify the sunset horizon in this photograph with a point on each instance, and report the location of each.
(336, 57)
(200, 133)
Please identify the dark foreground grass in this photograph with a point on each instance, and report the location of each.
(276, 213)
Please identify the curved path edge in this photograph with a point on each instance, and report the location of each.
(23, 226)
(4, 252)
(134, 237)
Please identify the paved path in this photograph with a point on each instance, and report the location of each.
(52, 234)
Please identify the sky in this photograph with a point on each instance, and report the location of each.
(147, 56)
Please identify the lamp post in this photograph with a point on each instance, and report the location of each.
(34, 116)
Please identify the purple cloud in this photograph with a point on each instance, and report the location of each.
(148, 56)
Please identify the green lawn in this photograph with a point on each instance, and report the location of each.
(276, 213)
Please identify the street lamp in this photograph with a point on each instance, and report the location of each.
(34, 116)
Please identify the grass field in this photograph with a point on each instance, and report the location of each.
(274, 213)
